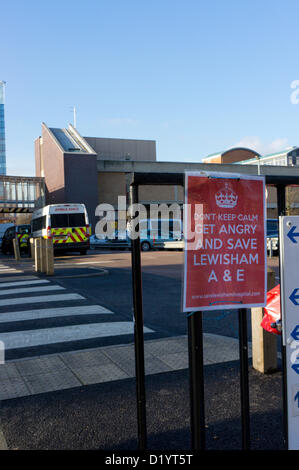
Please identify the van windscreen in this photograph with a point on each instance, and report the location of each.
(67, 220)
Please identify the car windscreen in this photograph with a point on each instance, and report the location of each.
(67, 220)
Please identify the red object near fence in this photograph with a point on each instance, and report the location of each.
(272, 315)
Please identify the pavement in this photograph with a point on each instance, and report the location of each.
(85, 398)
(48, 373)
(35, 374)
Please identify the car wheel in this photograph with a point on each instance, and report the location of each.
(145, 246)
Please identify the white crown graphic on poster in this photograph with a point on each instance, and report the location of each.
(226, 197)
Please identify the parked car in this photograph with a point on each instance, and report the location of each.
(22, 233)
(272, 235)
(148, 241)
(272, 227)
(160, 234)
(3, 228)
(119, 240)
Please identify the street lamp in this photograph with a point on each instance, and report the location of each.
(258, 157)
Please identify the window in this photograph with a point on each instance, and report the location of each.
(24, 229)
(10, 232)
(59, 220)
(272, 227)
(67, 220)
(76, 220)
(39, 223)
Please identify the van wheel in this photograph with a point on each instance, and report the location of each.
(83, 252)
(145, 246)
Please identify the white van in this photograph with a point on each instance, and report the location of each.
(66, 224)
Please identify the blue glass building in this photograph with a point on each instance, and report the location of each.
(2, 131)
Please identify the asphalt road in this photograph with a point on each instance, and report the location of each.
(103, 416)
(105, 279)
(162, 274)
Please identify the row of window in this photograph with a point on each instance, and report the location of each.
(67, 220)
(276, 161)
(59, 221)
(283, 161)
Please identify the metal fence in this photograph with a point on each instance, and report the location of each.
(195, 332)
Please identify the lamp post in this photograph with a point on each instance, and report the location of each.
(258, 157)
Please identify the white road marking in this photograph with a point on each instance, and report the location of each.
(7, 267)
(75, 264)
(41, 299)
(94, 262)
(23, 283)
(16, 278)
(25, 290)
(26, 339)
(40, 314)
(6, 270)
(11, 271)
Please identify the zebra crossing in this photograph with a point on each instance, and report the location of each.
(55, 339)
(28, 304)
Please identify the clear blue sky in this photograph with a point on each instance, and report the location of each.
(196, 76)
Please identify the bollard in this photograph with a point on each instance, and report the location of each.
(43, 253)
(264, 344)
(32, 249)
(37, 254)
(16, 249)
(49, 256)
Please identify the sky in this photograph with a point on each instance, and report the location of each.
(196, 76)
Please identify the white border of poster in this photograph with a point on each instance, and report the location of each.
(223, 306)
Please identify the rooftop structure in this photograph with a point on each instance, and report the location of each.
(232, 155)
(287, 157)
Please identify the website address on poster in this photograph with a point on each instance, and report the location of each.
(226, 294)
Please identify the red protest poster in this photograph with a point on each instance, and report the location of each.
(225, 241)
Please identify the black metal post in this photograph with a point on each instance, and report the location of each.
(244, 385)
(138, 333)
(281, 210)
(195, 337)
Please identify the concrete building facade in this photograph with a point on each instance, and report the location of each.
(95, 170)
(69, 164)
